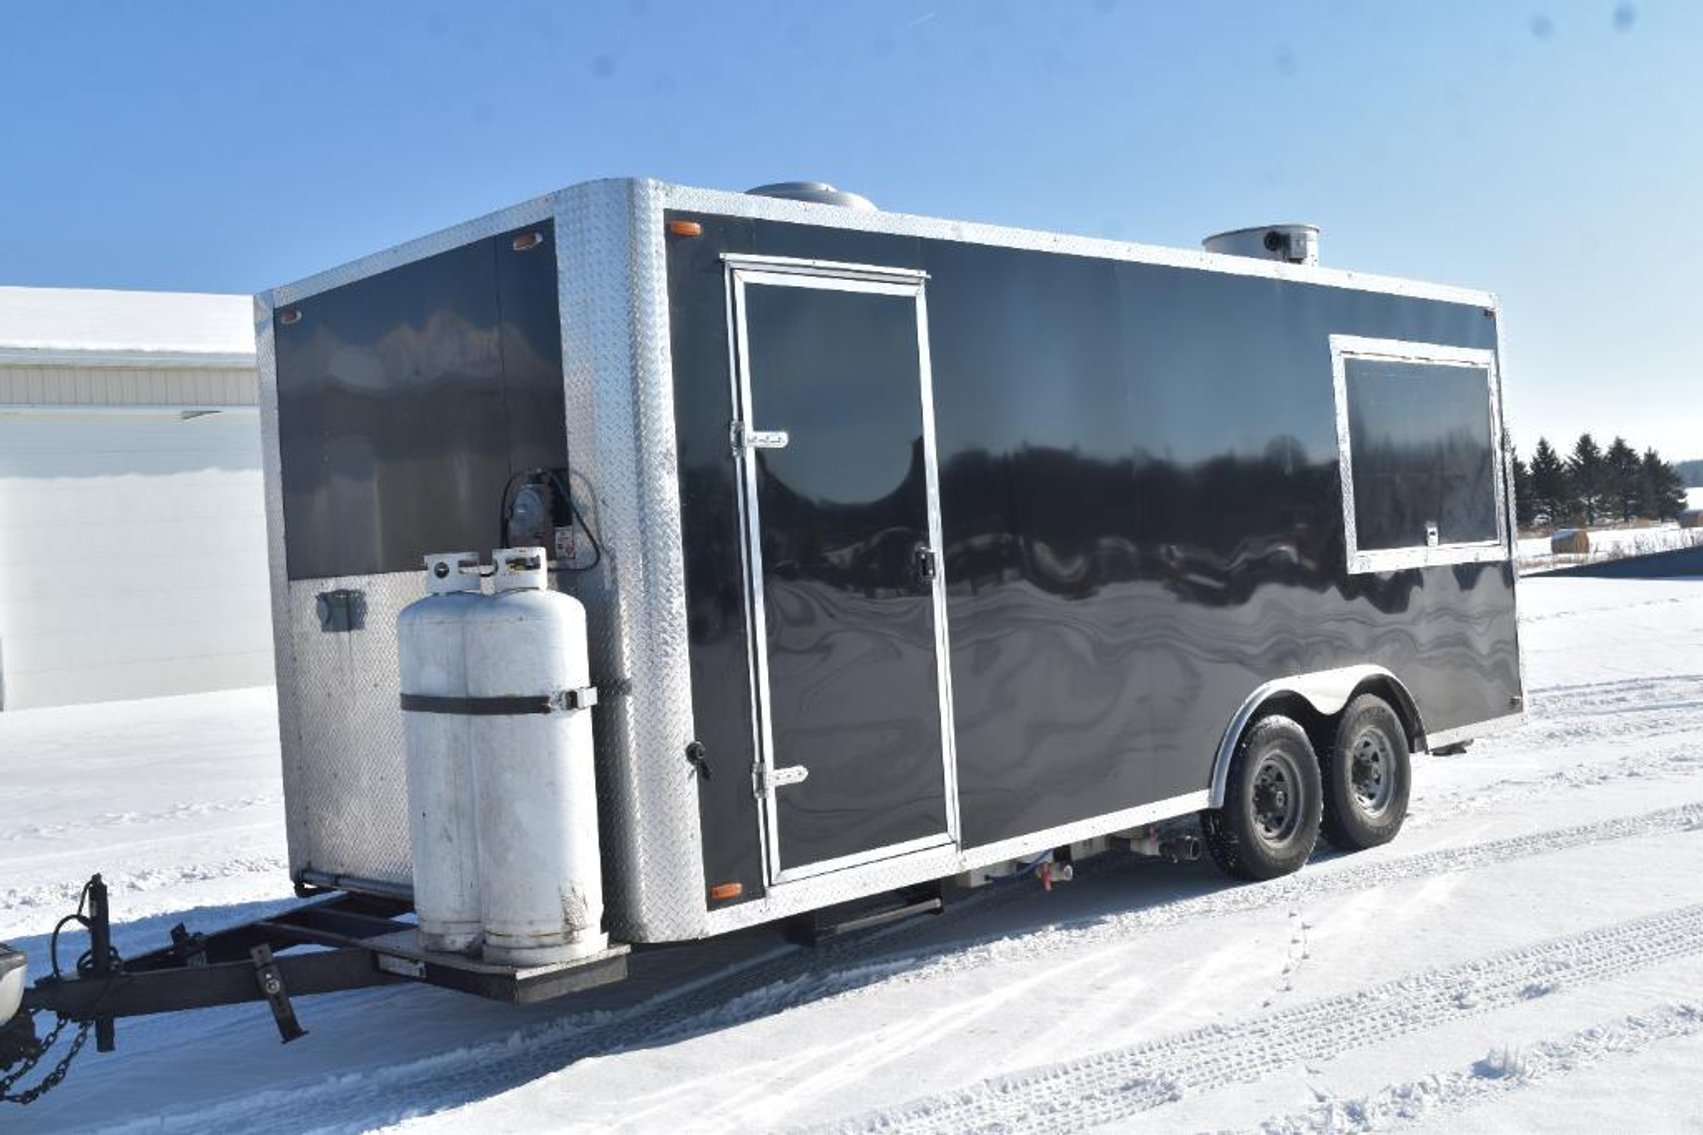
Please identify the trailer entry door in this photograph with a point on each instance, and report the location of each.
(833, 426)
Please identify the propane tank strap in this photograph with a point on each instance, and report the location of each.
(559, 702)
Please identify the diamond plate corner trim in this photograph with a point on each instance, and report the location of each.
(347, 790)
(296, 814)
(619, 394)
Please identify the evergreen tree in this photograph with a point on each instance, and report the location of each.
(1525, 506)
(1661, 488)
(1550, 491)
(1587, 470)
(1625, 482)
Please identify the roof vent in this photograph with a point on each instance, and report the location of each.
(818, 191)
(1292, 244)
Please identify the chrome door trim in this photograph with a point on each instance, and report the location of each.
(830, 269)
(740, 272)
(944, 840)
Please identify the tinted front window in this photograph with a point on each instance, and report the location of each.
(1420, 441)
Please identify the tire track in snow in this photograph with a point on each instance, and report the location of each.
(1626, 708)
(59, 898)
(1597, 706)
(1610, 691)
(1616, 609)
(1678, 758)
(1117, 1085)
(792, 977)
(740, 992)
(1594, 727)
(1346, 874)
(1612, 683)
(124, 820)
(1497, 1074)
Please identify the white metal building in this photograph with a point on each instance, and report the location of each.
(132, 519)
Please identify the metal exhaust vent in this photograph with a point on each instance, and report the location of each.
(818, 191)
(1293, 244)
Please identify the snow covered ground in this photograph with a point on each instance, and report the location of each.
(1528, 955)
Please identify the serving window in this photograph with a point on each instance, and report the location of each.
(1421, 463)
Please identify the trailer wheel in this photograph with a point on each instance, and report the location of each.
(1270, 818)
(1366, 774)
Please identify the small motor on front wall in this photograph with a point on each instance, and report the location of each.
(538, 512)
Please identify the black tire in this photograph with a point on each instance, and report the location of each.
(1367, 773)
(1270, 819)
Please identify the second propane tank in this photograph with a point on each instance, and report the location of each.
(438, 746)
(535, 792)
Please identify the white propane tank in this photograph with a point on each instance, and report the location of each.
(540, 870)
(442, 827)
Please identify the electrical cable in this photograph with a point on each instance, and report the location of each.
(53, 941)
(1021, 870)
(503, 506)
(579, 518)
(561, 486)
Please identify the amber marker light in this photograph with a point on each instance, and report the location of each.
(527, 241)
(687, 228)
(722, 891)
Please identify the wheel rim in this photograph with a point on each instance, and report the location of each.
(1277, 798)
(1372, 775)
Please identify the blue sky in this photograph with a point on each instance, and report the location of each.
(1550, 152)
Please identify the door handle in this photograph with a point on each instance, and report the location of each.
(924, 565)
(745, 439)
(765, 780)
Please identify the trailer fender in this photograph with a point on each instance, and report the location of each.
(1327, 692)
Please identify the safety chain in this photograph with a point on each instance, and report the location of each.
(52, 1079)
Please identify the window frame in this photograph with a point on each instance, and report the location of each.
(1362, 561)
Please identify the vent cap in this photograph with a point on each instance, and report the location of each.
(818, 191)
(1292, 244)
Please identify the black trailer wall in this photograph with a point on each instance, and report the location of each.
(408, 398)
(1142, 518)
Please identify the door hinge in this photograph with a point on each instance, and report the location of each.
(746, 438)
(765, 780)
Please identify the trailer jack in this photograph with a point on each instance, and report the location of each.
(272, 985)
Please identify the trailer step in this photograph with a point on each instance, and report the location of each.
(818, 926)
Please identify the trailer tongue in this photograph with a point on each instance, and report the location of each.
(332, 942)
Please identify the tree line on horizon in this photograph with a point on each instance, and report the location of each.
(1593, 485)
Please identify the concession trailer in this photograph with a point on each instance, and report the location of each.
(906, 551)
